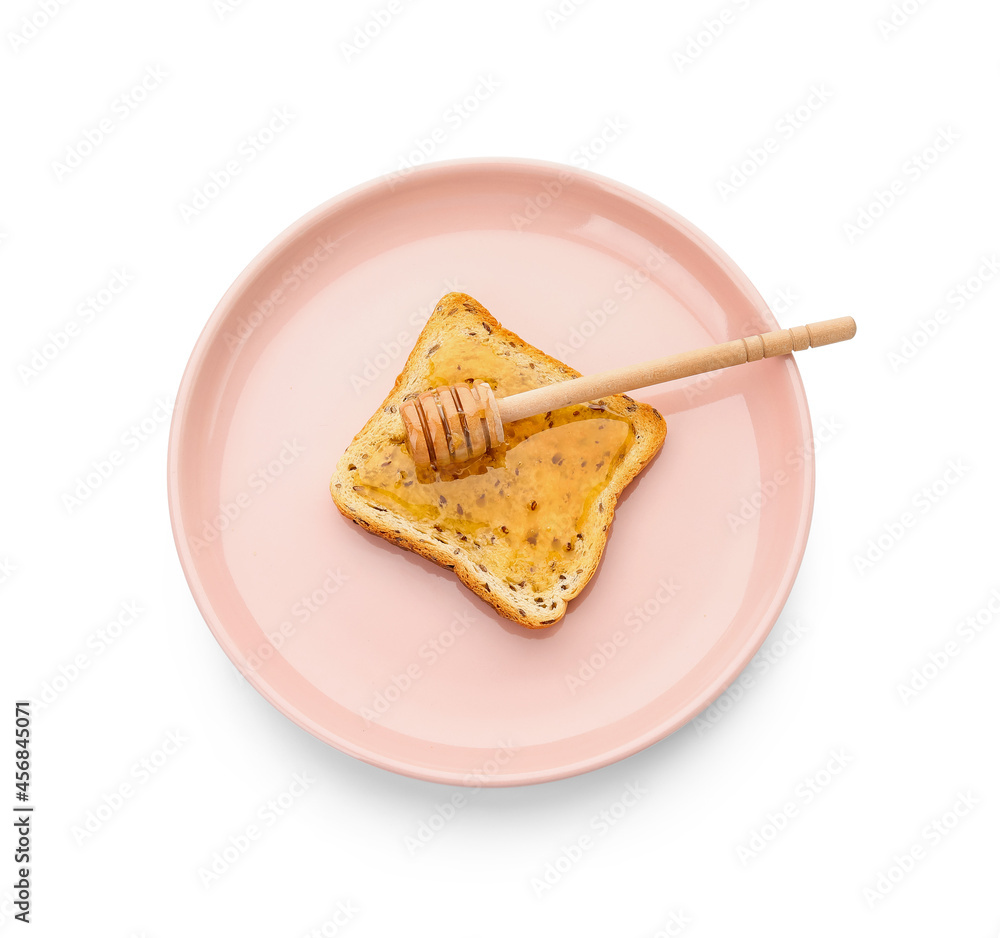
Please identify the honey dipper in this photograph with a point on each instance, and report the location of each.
(449, 425)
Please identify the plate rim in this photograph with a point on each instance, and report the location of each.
(182, 406)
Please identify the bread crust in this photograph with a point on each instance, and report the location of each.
(458, 317)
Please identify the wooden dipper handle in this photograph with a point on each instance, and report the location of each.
(737, 352)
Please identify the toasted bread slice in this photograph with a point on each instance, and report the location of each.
(525, 528)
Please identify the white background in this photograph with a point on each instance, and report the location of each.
(683, 125)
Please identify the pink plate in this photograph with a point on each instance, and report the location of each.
(380, 652)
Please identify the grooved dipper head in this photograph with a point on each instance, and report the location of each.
(451, 424)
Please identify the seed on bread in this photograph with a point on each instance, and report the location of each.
(551, 480)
